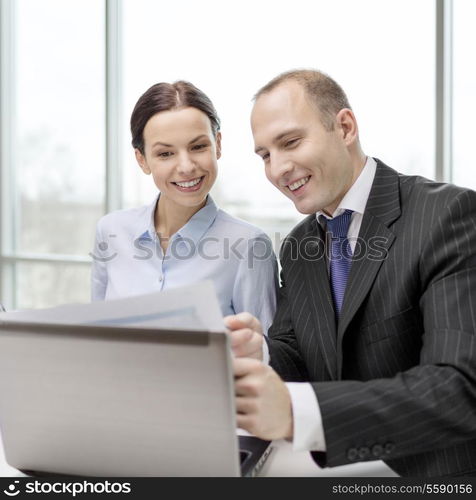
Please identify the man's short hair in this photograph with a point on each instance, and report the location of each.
(320, 88)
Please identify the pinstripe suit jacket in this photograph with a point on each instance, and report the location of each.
(396, 379)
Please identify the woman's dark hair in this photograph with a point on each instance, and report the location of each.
(166, 97)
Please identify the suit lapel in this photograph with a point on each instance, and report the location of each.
(375, 238)
(319, 293)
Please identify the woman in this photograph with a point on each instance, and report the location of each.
(182, 237)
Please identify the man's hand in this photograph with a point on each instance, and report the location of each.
(263, 403)
(246, 335)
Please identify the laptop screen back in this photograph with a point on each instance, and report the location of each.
(107, 401)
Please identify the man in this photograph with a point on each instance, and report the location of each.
(375, 328)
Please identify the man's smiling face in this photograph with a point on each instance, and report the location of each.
(310, 164)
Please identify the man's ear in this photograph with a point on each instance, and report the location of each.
(346, 122)
(141, 161)
(218, 143)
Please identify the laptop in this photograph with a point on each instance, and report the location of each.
(89, 400)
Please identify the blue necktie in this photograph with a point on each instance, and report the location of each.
(340, 257)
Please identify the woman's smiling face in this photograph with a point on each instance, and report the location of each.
(181, 153)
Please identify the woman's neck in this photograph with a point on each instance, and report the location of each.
(170, 217)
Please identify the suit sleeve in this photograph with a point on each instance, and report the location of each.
(284, 354)
(432, 405)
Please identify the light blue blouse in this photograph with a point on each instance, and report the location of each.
(236, 256)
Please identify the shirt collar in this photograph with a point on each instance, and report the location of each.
(356, 197)
(194, 229)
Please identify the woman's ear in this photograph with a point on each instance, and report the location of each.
(142, 162)
(218, 144)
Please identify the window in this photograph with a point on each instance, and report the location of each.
(55, 169)
(231, 50)
(464, 96)
(65, 82)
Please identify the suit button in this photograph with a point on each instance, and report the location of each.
(389, 447)
(377, 450)
(364, 452)
(352, 454)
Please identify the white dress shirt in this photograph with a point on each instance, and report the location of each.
(238, 257)
(308, 430)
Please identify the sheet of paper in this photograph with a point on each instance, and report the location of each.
(194, 307)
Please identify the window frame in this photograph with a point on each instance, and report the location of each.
(10, 256)
(113, 39)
